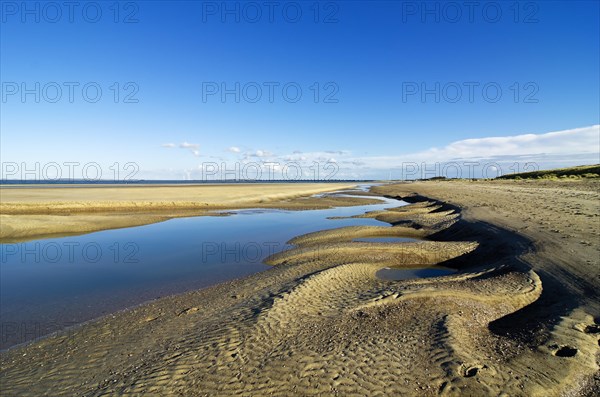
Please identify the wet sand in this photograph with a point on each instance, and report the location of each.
(40, 212)
(519, 318)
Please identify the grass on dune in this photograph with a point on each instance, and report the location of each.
(581, 171)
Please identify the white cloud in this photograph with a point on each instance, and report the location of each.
(262, 153)
(579, 140)
(498, 154)
(193, 147)
(560, 143)
(187, 145)
(338, 152)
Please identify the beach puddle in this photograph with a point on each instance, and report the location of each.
(395, 274)
(48, 283)
(386, 240)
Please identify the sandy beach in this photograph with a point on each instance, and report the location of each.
(520, 317)
(307, 198)
(47, 211)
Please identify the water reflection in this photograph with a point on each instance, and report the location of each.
(68, 280)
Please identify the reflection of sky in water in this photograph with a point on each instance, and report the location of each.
(73, 279)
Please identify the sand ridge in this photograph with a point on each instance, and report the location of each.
(321, 322)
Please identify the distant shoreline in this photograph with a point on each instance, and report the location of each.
(165, 182)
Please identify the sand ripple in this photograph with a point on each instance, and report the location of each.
(320, 322)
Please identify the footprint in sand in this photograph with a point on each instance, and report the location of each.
(564, 351)
(472, 370)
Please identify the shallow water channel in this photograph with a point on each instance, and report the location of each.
(50, 284)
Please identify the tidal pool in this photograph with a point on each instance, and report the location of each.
(49, 284)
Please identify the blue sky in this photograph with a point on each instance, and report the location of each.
(369, 63)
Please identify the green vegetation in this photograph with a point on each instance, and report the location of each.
(581, 171)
